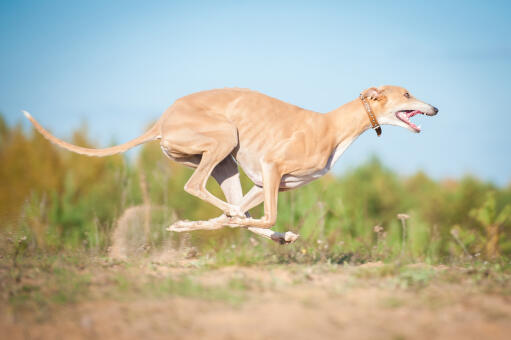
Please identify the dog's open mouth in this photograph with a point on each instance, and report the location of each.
(405, 115)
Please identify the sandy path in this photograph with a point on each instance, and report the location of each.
(282, 303)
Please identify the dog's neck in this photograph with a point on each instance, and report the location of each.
(348, 121)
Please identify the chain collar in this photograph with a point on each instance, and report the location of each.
(370, 114)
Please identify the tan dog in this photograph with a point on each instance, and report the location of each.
(279, 146)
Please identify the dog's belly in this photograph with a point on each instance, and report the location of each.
(291, 182)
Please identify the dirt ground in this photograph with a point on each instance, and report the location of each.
(371, 301)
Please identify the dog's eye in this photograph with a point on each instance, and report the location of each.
(407, 95)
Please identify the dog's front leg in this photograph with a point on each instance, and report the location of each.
(252, 199)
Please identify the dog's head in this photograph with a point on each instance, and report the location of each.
(394, 105)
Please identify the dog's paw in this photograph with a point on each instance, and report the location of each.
(290, 237)
(234, 211)
(284, 238)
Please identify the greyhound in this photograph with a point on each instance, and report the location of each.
(279, 146)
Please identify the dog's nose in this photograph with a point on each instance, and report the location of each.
(435, 110)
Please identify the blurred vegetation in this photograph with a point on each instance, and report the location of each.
(52, 200)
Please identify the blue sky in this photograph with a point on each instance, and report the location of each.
(117, 65)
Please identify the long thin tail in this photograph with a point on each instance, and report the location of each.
(150, 135)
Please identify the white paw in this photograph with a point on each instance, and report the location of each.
(290, 237)
(235, 211)
(284, 238)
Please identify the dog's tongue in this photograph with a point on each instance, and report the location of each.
(413, 113)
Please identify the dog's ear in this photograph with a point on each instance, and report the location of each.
(372, 93)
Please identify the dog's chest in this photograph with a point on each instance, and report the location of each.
(290, 181)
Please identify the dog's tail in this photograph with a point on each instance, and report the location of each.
(150, 135)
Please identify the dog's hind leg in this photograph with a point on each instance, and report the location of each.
(210, 147)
